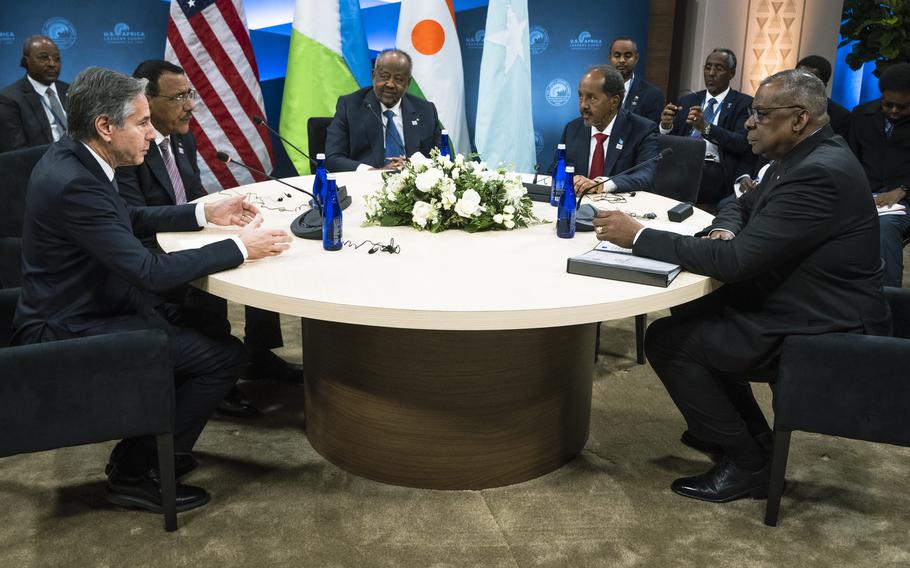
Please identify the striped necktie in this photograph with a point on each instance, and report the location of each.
(171, 166)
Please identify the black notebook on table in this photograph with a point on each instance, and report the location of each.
(615, 263)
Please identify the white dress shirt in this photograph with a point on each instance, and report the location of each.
(57, 130)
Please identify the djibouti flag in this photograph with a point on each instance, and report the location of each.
(328, 58)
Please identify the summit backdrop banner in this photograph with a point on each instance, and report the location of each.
(112, 34)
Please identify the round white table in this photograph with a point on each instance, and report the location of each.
(463, 362)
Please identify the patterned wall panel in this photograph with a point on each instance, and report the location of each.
(772, 39)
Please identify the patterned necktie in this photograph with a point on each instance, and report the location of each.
(597, 160)
(710, 112)
(394, 147)
(889, 128)
(171, 166)
(56, 108)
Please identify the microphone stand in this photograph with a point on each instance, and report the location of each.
(308, 225)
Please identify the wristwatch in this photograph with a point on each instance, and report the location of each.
(707, 131)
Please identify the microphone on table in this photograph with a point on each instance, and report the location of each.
(343, 198)
(309, 224)
(584, 219)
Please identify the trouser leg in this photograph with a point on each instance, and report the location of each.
(892, 230)
(716, 408)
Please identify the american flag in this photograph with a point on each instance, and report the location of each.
(210, 40)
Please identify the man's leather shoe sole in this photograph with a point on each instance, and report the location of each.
(237, 405)
(145, 493)
(725, 482)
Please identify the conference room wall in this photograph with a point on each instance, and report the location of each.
(567, 37)
(721, 23)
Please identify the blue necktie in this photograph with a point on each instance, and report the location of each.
(889, 128)
(709, 113)
(394, 147)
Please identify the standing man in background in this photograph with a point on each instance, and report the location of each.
(641, 98)
(32, 109)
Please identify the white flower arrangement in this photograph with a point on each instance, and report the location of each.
(439, 193)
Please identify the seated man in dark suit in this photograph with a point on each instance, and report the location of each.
(641, 98)
(794, 255)
(718, 115)
(32, 109)
(360, 138)
(879, 135)
(821, 68)
(85, 271)
(169, 175)
(606, 140)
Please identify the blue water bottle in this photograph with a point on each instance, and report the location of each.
(444, 145)
(331, 216)
(559, 175)
(319, 181)
(565, 215)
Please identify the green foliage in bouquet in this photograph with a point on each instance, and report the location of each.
(438, 193)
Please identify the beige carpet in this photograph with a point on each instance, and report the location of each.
(276, 502)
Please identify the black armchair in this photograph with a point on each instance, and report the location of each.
(841, 384)
(16, 168)
(88, 390)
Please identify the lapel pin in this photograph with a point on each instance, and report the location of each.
(413, 123)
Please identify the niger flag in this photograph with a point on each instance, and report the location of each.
(426, 30)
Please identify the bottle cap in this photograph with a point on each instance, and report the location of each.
(320, 156)
(570, 169)
(445, 132)
(332, 177)
(560, 146)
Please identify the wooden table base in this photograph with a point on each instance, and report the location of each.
(447, 409)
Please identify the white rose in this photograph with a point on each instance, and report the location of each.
(514, 193)
(459, 160)
(426, 180)
(422, 212)
(455, 173)
(469, 204)
(497, 219)
(508, 209)
(419, 159)
(448, 199)
(510, 224)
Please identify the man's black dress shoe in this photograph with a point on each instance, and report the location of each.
(144, 492)
(725, 482)
(264, 364)
(236, 404)
(183, 464)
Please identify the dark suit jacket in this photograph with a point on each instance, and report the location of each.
(644, 99)
(840, 118)
(632, 141)
(729, 134)
(82, 264)
(355, 135)
(886, 161)
(149, 184)
(805, 258)
(23, 122)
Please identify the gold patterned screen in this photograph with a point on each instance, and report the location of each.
(773, 36)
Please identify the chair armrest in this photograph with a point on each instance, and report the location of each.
(85, 390)
(843, 384)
